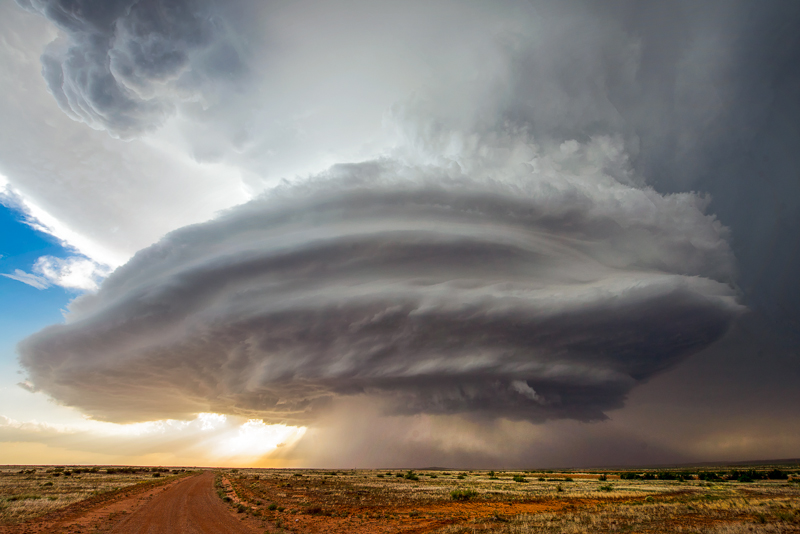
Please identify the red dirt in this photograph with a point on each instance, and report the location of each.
(187, 505)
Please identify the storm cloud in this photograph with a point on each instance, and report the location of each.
(549, 292)
(124, 65)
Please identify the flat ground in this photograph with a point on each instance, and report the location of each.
(316, 501)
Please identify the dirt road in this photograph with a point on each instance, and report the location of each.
(188, 507)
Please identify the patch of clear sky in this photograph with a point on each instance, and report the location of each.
(24, 309)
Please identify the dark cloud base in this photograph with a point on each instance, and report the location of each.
(436, 299)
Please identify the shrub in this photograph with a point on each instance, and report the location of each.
(519, 478)
(606, 487)
(460, 477)
(24, 497)
(463, 494)
(411, 475)
(272, 507)
(666, 475)
(399, 475)
(777, 474)
(603, 478)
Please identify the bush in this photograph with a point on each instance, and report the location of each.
(463, 494)
(777, 474)
(603, 478)
(272, 507)
(519, 478)
(606, 487)
(411, 475)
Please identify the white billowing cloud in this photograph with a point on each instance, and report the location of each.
(73, 272)
(223, 100)
(438, 288)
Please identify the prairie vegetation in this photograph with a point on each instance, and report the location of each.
(758, 500)
(27, 492)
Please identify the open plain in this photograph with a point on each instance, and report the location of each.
(763, 499)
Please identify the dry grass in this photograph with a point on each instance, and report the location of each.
(28, 492)
(571, 502)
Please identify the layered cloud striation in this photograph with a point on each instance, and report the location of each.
(546, 293)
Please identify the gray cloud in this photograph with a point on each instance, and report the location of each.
(431, 290)
(124, 65)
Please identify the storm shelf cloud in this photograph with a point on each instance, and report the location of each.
(548, 290)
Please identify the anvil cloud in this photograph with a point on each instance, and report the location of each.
(547, 291)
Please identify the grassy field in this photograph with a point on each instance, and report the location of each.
(453, 502)
(27, 492)
(763, 499)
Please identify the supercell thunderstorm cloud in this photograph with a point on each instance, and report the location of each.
(432, 232)
(540, 288)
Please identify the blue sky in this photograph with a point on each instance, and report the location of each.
(26, 309)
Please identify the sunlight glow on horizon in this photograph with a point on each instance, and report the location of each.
(209, 439)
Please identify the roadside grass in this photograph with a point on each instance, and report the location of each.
(27, 492)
